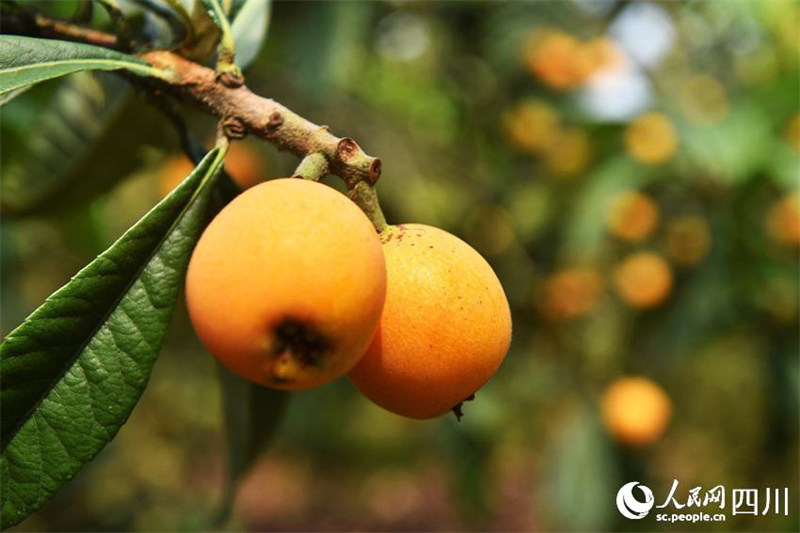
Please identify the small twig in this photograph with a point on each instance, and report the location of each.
(366, 197)
(24, 20)
(242, 112)
(48, 27)
(313, 167)
(265, 118)
(227, 70)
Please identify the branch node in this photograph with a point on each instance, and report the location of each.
(231, 80)
(374, 171)
(275, 120)
(234, 128)
(347, 149)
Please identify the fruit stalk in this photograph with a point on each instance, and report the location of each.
(313, 167)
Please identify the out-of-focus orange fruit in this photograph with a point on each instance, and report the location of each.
(530, 125)
(550, 57)
(783, 220)
(172, 172)
(688, 240)
(643, 279)
(563, 62)
(635, 410)
(570, 293)
(568, 152)
(703, 100)
(605, 53)
(651, 138)
(243, 163)
(632, 216)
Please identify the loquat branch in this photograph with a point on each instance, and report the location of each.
(314, 166)
(243, 113)
(24, 21)
(246, 113)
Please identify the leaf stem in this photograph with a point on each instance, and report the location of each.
(227, 69)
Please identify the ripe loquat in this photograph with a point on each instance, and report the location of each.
(643, 279)
(635, 410)
(632, 216)
(286, 285)
(651, 138)
(445, 327)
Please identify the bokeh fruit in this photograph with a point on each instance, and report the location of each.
(643, 279)
(783, 220)
(570, 293)
(563, 62)
(651, 138)
(632, 216)
(445, 327)
(286, 285)
(531, 124)
(636, 410)
(568, 152)
(243, 162)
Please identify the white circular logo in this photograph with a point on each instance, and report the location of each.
(629, 506)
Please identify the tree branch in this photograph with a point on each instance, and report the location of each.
(244, 112)
(27, 22)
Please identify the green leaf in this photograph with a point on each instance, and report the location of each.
(227, 44)
(55, 138)
(73, 371)
(217, 12)
(26, 60)
(582, 479)
(205, 36)
(77, 146)
(249, 29)
(252, 415)
(10, 95)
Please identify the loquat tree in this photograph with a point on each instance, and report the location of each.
(73, 371)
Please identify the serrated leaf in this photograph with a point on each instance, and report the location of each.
(27, 60)
(73, 371)
(249, 28)
(252, 414)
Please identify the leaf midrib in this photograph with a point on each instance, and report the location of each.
(78, 352)
(130, 65)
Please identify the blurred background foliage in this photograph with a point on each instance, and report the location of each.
(629, 169)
